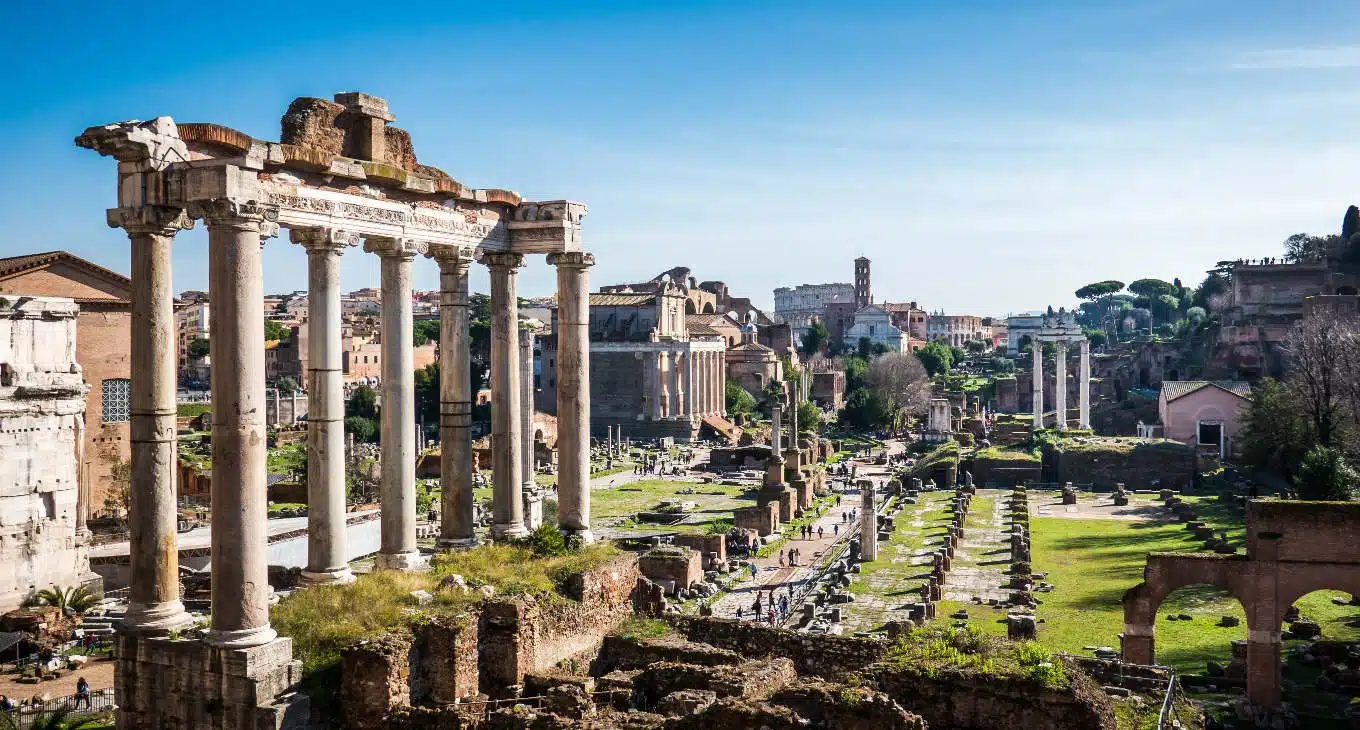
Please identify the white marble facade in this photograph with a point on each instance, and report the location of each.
(42, 419)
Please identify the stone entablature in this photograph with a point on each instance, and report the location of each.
(42, 421)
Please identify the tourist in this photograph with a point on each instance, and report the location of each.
(769, 616)
(83, 693)
(820, 532)
(6, 703)
(836, 529)
(781, 558)
(783, 605)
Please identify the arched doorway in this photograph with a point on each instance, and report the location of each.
(708, 308)
(689, 307)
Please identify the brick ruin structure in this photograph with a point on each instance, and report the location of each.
(339, 175)
(43, 539)
(1293, 549)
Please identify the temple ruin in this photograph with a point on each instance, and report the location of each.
(340, 175)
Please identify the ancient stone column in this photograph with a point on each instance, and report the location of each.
(327, 558)
(457, 510)
(573, 392)
(1060, 385)
(397, 548)
(711, 393)
(774, 470)
(868, 523)
(656, 387)
(1084, 387)
(526, 396)
(663, 369)
(507, 506)
(684, 361)
(240, 534)
(720, 382)
(154, 603)
(1038, 350)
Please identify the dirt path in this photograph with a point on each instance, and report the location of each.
(98, 673)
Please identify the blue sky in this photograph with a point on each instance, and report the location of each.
(989, 157)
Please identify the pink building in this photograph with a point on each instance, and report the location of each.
(1204, 414)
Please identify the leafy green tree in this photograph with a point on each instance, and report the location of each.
(1275, 435)
(286, 385)
(809, 417)
(1325, 474)
(865, 410)
(738, 400)
(1095, 337)
(1166, 307)
(275, 331)
(856, 373)
(936, 357)
(1350, 223)
(814, 339)
(866, 348)
(363, 402)
(1100, 292)
(198, 347)
(425, 331)
(427, 394)
(364, 429)
(1196, 314)
(1211, 292)
(956, 356)
(1152, 288)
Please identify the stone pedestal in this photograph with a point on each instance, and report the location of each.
(188, 685)
(868, 529)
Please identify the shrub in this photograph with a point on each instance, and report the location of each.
(1325, 474)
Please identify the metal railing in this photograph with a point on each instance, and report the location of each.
(1164, 721)
(97, 701)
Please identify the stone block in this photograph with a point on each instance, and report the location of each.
(704, 544)
(763, 518)
(675, 563)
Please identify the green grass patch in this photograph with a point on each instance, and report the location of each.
(1012, 455)
(639, 627)
(192, 410)
(932, 651)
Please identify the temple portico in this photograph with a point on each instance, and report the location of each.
(1062, 330)
(339, 177)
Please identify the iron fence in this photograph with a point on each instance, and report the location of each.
(97, 701)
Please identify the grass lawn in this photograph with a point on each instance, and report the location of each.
(1092, 563)
(715, 502)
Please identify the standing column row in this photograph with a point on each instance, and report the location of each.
(327, 558)
(505, 397)
(1038, 381)
(1060, 385)
(397, 423)
(240, 585)
(457, 514)
(573, 392)
(154, 602)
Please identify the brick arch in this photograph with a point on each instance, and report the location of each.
(1167, 572)
(1305, 579)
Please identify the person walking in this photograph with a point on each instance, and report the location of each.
(820, 532)
(83, 693)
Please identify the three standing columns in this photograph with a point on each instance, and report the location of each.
(457, 516)
(240, 585)
(397, 422)
(154, 604)
(1060, 385)
(505, 397)
(326, 546)
(573, 392)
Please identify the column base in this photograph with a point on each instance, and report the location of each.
(584, 534)
(240, 638)
(401, 561)
(508, 531)
(155, 618)
(456, 543)
(339, 576)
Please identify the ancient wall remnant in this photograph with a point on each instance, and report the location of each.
(42, 423)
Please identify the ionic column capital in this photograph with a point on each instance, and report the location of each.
(323, 239)
(152, 220)
(236, 214)
(503, 260)
(451, 259)
(572, 259)
(400, 248)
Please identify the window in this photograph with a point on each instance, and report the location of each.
(1210, 433)
(116, 400)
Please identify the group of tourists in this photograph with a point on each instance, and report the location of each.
(771, 610)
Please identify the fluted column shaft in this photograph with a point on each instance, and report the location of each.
(1038, 375)
(573, 392)
(457, 515)
(154, 602)
(1060, 385)
(656, 386)
(505, 397)
(397, 420)
(327, 556)
(240, 535)
(1084, 388)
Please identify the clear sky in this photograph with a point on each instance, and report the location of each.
(988, 157)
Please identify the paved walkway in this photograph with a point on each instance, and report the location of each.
(773, 577)
(981, 558)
